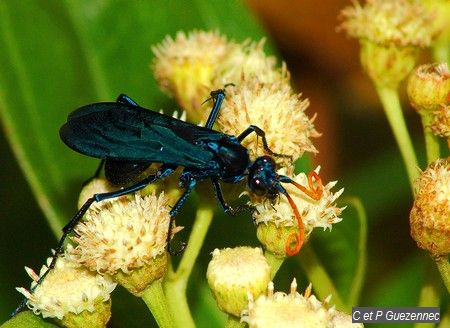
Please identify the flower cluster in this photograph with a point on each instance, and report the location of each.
(261, 94)
(124, 240)
(121, 241)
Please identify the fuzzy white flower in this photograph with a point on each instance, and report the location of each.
(122, 235)
(248, 60)
(293, 310)
(400, 22)
(289, 220)
(322, 213)
(186, 66)
(68, 288)
(271, 107)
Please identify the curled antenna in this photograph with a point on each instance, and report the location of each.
(314, 193)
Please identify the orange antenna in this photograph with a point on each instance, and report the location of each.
(300, 237)
(313, 192)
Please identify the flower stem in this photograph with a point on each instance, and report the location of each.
(444, 270)
(431, 141)
(392, 108)
(322, 283)
(176, 282)
(156, 301)
(429, 293)
(274, 261)
(441, 52)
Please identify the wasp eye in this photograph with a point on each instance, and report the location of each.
(258, 187)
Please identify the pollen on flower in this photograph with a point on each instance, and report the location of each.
(390, 22)
(272, 107)
(291, 310)
(429, 221)
(68, 288)
(122, 235)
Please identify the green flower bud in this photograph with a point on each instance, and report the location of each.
(429, 87)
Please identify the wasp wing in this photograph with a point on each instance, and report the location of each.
(120, 132)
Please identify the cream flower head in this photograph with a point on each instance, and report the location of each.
(274, 108)
(67, 289)
(385, 22)
(233, 272)
(293, 310)
(429, 217)
(249, 60)
(277, 222)
(122, 235)
(391, 33)
(186, 66)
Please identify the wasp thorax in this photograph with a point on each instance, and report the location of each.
(262, 177)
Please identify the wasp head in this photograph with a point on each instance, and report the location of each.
(262, 178)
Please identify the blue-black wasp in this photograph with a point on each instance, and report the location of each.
(129, 138)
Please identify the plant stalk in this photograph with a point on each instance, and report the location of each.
(444, 269)
(176, 281)
(391, 104)
(431, 141)
(156, 301)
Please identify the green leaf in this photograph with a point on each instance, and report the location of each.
(27, 319)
